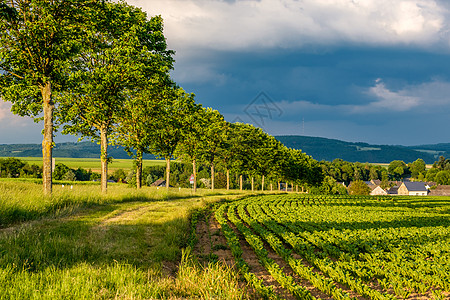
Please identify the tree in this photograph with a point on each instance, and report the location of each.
(190, 147)
(397, 169)
(115, 58)
(168, 129)
(37, 39)
(417, 167)
(359, 187)
(443, 177)
(213, 137)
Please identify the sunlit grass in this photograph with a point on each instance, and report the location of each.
(127, 244)
(23, 200)
(94, 163)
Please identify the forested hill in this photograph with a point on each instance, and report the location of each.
(318, 148)
(73, 150)
(330, 149)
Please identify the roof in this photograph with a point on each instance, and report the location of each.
(393, 190)
(415, 186)
(441, 190)
(159, 182)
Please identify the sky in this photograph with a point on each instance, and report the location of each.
(375, 71)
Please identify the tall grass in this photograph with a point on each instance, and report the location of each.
(122, 281)
(124, 245)
(23, 200)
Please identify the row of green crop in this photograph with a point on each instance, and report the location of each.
(366, 243)
(321, 282)
(389, 259)
(317, 259)
(233, 242)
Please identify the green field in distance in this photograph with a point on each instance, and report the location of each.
(93, 163)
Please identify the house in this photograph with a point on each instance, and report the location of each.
(378, 191)
(370, 185)
(376, 182)
(393, 190)
(441, 190)
(413, 189)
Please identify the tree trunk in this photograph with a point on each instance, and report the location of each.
(241, 183)
(279, 186)
(47, 142)
(262, 183)
(212, 177)
(271, 187)
(287, 186)
(194, 171)
(296, 188)
(228, 179)
(253, 183)
(138, 169)
(167, 172)
(104, 158)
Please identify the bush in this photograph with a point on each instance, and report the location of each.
(359, 187)
(69, 176)
(59, 171)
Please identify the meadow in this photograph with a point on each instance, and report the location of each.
(94, 164)
(128, 244)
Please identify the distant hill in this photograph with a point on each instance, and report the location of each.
(318, 148)
(73, 150)
(330, 149)
(436, 149)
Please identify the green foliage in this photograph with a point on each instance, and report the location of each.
(119, 175)
(417, 167)
(69, 176)
(358, 187)
(13, 167)
(397, 169)
(329, 186)
(443, 177)
(37, 39)
(59, 171)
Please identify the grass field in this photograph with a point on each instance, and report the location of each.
(128, 244)
(93, 163)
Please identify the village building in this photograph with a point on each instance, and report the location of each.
(378, 191)
(441, 190)
(413, 189)
(393, 190)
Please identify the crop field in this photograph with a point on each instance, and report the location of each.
(93, 163)
(342, 247)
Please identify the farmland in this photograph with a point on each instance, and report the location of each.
(93, 163)
(140, 244)
(332, 247)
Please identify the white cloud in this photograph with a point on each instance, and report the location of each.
(242, 25)
(428, 96)
(7, 117)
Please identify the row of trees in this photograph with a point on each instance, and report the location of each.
(343, 171)
(100, 70)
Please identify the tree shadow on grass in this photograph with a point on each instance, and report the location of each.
(70, 242)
